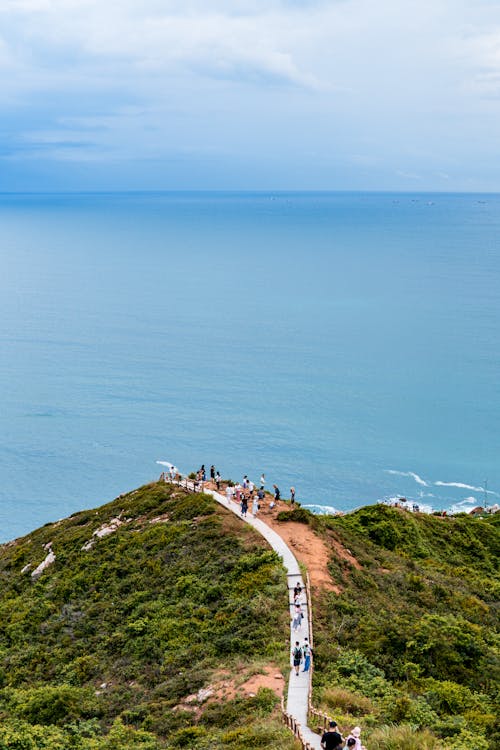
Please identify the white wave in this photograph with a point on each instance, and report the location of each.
(407, 503)
(462, 486)
(321, 510)
(410, 474)
(464, 506)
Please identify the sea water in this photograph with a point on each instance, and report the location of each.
(345, 344)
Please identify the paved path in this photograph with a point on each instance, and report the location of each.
(298, 686)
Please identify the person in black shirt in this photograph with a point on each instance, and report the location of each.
(331, 739)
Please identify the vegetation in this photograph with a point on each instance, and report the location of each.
(413, 639)
(109, 647)
(159, 595)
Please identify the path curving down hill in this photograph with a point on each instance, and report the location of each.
(298, 686)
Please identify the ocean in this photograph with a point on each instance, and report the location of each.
(347, 344)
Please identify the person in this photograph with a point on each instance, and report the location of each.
(262, 480)
(255, 505)
(229, 494)
(331, 739)
(237, 492)
(173, 472)
(217, 481)
(292, 495)
(297, 618)
(307, 651)
(276, 492)
(212, 473)
(203, 473)
(244, 505)
(245, 482)
(297, 657)
(355, 735)
(251, 486)
(297, 589)
(349, 745)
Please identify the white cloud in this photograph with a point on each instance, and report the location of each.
(396, 86)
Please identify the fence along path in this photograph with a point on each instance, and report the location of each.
(298, 707)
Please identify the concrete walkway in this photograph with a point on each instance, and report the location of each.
(298, 685)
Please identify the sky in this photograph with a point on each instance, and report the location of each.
(249, 95)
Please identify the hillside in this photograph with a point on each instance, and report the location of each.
(150, 599)
(412, 637)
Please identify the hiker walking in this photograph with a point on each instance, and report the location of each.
(212, 473)
(292, 495)
(297, 657)
(229, 494)
(244, 506)
(276, 493)
(307, 651)
(331, 739)
(217, 481)
(355, 735)
(297, 618)
(255, 505)
(262, 480)
(297, 589)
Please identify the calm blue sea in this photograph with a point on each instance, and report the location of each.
(347, 344)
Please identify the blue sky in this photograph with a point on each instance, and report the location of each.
(247, 94)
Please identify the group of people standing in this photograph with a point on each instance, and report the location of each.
(333, 740)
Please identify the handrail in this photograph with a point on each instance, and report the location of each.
(324, 719)
(294, 726)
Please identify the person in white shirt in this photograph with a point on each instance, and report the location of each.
(229, 494)
(262, 480)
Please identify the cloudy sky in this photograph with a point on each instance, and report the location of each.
(250, 94)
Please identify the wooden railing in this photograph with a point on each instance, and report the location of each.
(294, 726)
(316, 720)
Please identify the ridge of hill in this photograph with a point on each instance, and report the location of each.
(153, 622)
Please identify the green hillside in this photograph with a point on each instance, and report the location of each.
(412, 638)
(108, 647)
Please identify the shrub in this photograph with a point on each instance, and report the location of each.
(300, 515)
(54, 704)
(404, 737)
(346, 701)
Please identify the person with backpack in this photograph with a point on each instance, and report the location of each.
(244, 506)
(307, 651)
(332, 739)
(297, 657)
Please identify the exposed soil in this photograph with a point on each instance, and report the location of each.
(225, 686)
(309, 549)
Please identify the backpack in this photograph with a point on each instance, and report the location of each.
(297, 653)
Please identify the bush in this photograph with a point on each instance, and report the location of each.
(335, 699)
(54, 704)
(404, 737)
(299, 515)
